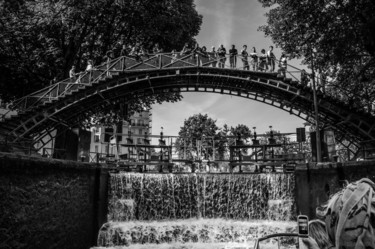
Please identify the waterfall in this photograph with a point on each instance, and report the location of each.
(197, 210)
(207, 231)
(268, 196)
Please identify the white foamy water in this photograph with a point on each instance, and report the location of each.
(189, 232)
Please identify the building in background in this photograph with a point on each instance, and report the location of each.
(123, 141)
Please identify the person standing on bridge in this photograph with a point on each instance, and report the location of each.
(221, 52)
(244, 55)
(157, 49)
(135, 52)
(203, 56)
(271, 59)
(174, 56)
(186, 50)
(213, 56)
(283, 64)
(89, 66)
(263, 61)
(254, 59)
(72, 74)
(233, 56)
(108, 58)
(196, 53)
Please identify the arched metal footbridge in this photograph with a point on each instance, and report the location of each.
(68, 102)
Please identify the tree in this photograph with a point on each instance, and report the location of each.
(337, 37)
(232, 134)
(197, 130)
(43, 39)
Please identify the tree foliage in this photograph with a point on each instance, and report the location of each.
(337, 37)
(232, 134)
(43, 39)
(201, 136)
(196, 130)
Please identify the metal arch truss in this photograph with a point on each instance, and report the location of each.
(68, 102)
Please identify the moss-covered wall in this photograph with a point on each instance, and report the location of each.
(50, 203)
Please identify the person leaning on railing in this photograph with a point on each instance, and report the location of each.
(263, 61)
(135, 53)
(156, 49)
(233, 56)
(186, 50)
(213, 56)
(221, 52)
(89, 66)
(283, 64)
(72, 74)
(244, 55)
(203, 54)
(271, 59)
(254, 59)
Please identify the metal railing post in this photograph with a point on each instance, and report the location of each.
(160, 63)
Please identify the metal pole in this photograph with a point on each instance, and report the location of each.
(316, 110)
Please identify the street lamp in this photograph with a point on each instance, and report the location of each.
(316, 112)
(255, 133)
(129, 131)
(271, 132)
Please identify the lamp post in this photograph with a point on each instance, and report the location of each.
(271, 132)
(316, 113)
(255, 142)
(255, 133)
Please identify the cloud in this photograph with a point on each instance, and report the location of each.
(219, 18)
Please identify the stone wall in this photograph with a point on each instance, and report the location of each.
(50, 203)
(316, 183)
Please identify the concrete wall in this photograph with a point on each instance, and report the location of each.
(50, 203)
(315, 183)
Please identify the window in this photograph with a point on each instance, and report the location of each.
(139, 140)
(96, 149)
(140, 131)
(96, 138)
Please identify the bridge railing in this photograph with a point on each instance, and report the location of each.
(146, 62)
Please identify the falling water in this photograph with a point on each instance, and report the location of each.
(202, 231)
(197, 208)
(184, 196)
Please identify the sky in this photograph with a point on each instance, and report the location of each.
(227, 22)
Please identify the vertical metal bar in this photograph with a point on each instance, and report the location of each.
(316, 114)
(348, 153)
(213, 149)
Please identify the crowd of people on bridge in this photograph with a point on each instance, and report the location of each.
(265, 61)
